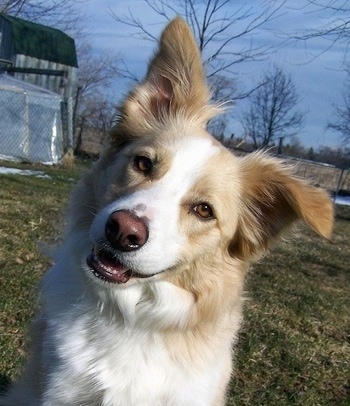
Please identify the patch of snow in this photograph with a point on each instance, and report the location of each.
(24, 172)
(342, 200)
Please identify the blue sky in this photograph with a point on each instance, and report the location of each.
(319, 81)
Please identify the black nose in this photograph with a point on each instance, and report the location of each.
(125, 231)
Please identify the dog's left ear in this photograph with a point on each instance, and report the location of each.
(272, 199)
(175, 83)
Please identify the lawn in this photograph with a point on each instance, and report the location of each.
(294, 345)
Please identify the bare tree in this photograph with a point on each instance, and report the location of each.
(334, 22)
(96, 70)
(96, 115)
(95, 111)
(62, 14)
(341, 123)
(271, 115)
(217, 25)
(339, 157)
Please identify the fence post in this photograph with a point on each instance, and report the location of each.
(339, 184)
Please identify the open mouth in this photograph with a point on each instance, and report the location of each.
(108, 268)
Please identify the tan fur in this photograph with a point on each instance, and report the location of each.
(174, 86)
(259, 195)
(273, 198)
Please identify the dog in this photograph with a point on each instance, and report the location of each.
(144, 301)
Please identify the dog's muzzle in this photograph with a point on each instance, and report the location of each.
(124, 233)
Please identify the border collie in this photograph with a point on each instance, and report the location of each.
(144, 302)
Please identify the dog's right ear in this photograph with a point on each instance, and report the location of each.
(272, 200)
(175, 84)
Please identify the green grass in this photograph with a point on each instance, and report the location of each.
(294, 345)
(31, 209)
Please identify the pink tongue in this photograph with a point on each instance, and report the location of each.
(108, 267)
(109, 262)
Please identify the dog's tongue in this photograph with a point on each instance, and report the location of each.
(108, 268)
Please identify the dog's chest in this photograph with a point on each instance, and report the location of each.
(114, 365)
(99, 356)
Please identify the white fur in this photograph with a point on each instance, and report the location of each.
(125, 361)
(105, 345)
(159, 204)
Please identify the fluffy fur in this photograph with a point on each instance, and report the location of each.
(155, 323)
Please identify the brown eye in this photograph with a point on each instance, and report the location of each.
(143, 164)
(204, 211)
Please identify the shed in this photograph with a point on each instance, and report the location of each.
(31, 125)
(45, 57)
(38, 54)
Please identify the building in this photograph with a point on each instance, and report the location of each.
(41, 56)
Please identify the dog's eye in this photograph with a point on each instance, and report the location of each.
(143, 164)
(204, 211)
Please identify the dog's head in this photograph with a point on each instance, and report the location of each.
(167, 198)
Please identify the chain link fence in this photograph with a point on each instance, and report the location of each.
(31, 122)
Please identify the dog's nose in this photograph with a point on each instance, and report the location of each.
(125, 231)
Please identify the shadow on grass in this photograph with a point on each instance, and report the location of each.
(4, 383)
(342, 212)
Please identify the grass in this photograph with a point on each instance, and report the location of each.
(294, 345)
(30, 210)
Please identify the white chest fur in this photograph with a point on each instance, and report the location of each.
(127, 360)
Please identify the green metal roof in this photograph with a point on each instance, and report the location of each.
(42, 42)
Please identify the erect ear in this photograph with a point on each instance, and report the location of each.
(272, 199)
(175, 82)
